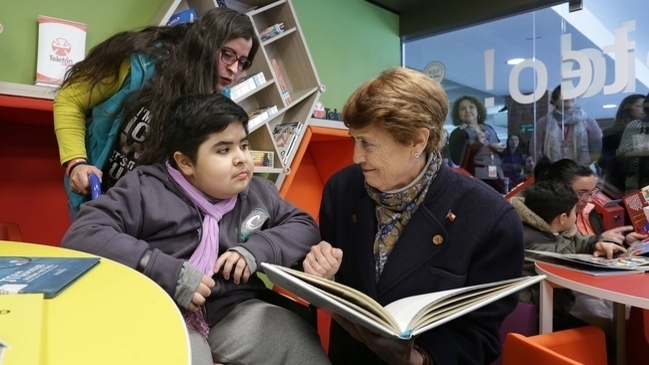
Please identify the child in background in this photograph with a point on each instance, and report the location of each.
(199, 225)
(548, 212)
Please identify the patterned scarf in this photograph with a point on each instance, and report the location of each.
(395, 208)
(207, 251)
(567, 141)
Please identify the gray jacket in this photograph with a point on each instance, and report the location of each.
(146, 209)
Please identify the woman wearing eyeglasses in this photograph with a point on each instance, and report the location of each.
(108, 112)
(582, 180)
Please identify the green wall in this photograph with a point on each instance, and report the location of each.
(18, 41)
(350, 42)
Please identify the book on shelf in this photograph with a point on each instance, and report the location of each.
(21, 329)
(589, 264)
(286, 95)
(263, 158)
(271, 31)
(637, 206)
(247, 84)
(286, 136)
(403, 318)
(47, 275)
(259, 115)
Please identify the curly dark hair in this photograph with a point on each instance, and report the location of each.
(186, 63)
(455, 112)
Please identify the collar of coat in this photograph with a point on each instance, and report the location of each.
(532, 219)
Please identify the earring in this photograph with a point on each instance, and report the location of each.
(416, 154)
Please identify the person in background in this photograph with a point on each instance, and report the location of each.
(568, 132)
(476, 141)
(108, 113)
(200, 225)
(588, 223)
(634, 151)
(582, 180)
(548, 210)
(513, 160)
(612, 169)
(528, 169)
(399, 223)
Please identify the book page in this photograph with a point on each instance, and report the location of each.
(343, 291)
(408, 310)
(359, 308)
(324, 300)
(624, 262)
(425, 324)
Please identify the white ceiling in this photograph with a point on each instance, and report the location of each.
(535, 34)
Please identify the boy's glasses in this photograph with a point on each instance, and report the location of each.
(587, 194)
(229, 57)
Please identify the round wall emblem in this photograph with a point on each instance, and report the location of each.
(435, 70)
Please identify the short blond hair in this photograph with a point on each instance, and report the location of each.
(399, 101)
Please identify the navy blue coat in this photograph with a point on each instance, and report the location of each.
(484, 243)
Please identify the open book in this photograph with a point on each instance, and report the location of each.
(403, 318)
(598, 266)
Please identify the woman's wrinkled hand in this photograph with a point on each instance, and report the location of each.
(323, 260)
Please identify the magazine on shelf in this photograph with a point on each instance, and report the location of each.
(47, 275)
(286, 136)
(587, 263)
(403, 318)
(635, 204)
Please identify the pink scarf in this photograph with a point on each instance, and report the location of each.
(205, 255)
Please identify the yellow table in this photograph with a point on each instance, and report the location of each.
(111, 315)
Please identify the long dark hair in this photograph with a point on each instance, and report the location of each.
(623, 115)
(565, 170)
(187, 59)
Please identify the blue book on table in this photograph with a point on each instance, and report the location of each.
(46, 275)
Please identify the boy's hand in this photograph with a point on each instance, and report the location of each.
(607, 249)
(231, 263)
(203, 291)
(323, 260)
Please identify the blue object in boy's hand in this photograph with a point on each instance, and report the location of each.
(95, 186)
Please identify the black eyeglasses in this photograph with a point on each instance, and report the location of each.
(229, 57)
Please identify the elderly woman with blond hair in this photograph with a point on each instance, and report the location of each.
(399, 223)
